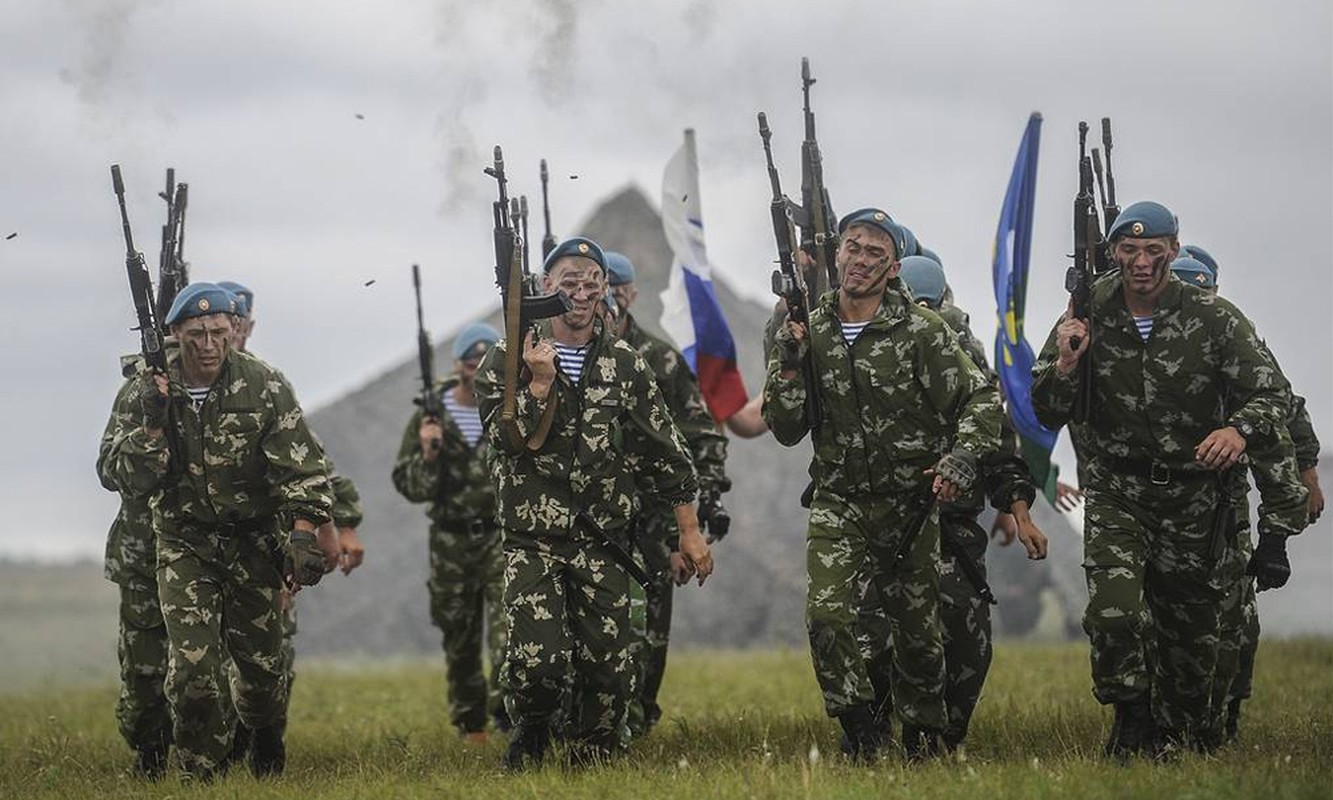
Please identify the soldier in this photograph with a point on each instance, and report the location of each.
(1239, 638)
(903, 409)
(1182, 388)
(965, 597)
(338, 537)
(656, 525)
(131, 563)
(445, 462)
(241, 490)
(564, 501)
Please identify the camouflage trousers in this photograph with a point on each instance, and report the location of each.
(225, 603)
(141, 709)
(654, 542)
(287, 653)
(849, 544)
(1238, 638)
(466, 589)
(965, 623)
(568, 604)
(1153, 597)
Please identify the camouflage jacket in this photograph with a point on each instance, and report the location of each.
(612, 438)
(1302, 435)
(346, 510)
(1004, 473)
(1157, 400)
(458, 484)
(130, 559)
(245, 461)
(680, 390)
(900, 397)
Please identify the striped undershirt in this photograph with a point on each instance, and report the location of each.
(851, 330)
(571, 360)
(1144, 324)
(467, 418)
(198, 394)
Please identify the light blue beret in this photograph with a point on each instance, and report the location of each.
(1194, 272)
(928, 253)
(1199, 254)
(619, 269)
(245, 298)
(473, 335)
(924, 279)
(577, 246)
(1144, 220)
(878, 219)
(200, 300)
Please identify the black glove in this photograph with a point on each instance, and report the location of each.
(1269, 564)
(152, 405)
(713, 518)
(958, 468)
(303, 558)
(790, 349)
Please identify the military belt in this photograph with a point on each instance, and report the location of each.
(1158, 473)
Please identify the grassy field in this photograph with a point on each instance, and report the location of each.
(738, 725)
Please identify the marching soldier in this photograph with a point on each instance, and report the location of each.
(564, 501)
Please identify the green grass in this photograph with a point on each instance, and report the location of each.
(738, 725)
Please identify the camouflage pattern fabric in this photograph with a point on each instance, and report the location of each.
(1153, 614)
(236, 475)
(898, 398)
(613, 440)
(656, 530)
(1302, 435)
(466, 562)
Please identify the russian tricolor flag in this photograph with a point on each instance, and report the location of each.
(691, 314)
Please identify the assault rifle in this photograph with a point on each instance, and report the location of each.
(548, 239)
(814, 216)
(788, 282)
(141, 287)
(432, 405)
(1079, 277)
(1110, 208)
(522, 307)
(173, 273)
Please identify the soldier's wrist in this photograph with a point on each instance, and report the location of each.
(540, 389)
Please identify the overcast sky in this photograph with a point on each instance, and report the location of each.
(1222, 110)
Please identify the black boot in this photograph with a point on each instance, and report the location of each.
(919, 743)
(860, 735)
(501, 719)
(1233, 719)
(1134, 731)
(150, 761)
(527, 747)
(268, 754)
(240, 747)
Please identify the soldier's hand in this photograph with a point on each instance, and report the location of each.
(153, 400)
(540, 360)
(1004, 529)
(791, 345)
(432, 438)
(327, 539)
(1065, 334)
(1067, 498)
(954, 475)
(1222, 449)
(680, 570)
(352, 552)
(304, 559)
(713, 517)
(1034, 541)
(693, 549)
(1269, 564)
(1314, 504)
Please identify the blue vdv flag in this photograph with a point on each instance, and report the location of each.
(1013, 354)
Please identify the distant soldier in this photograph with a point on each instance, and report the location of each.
(131, 563)
(656, 524)
(1182, 388)
(346, 516)
(445, 462)
(906, 417)
(1279, 512)
(565, 502)
(242, 490)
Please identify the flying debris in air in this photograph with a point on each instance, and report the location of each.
(360, 116)
(11, 236)
(573, 177)
(370, 282)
